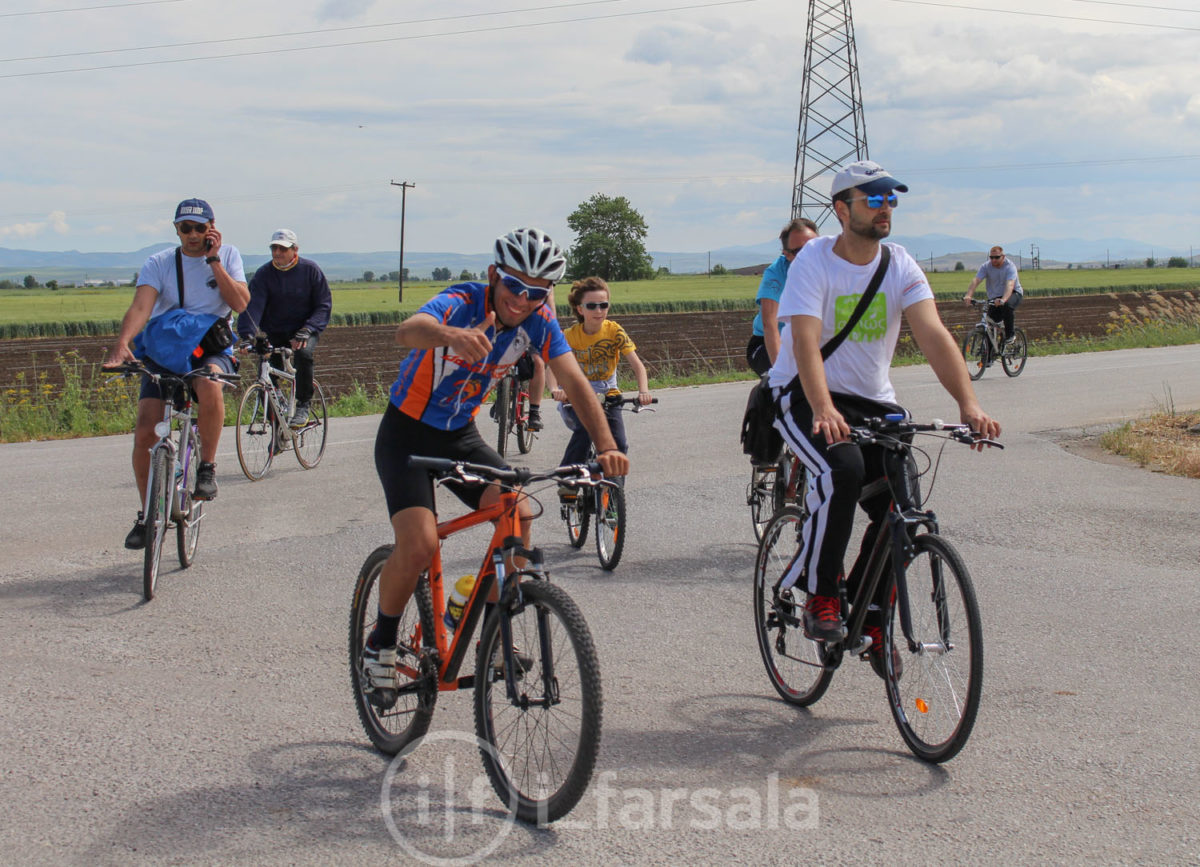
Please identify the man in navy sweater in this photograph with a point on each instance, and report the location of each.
(290, 302)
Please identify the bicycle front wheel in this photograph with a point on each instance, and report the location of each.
(191, 510)
(610, 525)
(521, 414)
(796, 666)
(392, 728)
(539, 745)
(158, 518)
(503, 410)
(256, 432)
(975, 352)
(1013, 358)
(310, 439)
(935, 698)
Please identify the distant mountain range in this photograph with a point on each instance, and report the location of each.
(939, 252)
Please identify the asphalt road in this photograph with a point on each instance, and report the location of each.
(215, 724)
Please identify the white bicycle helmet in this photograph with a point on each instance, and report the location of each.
(531, 252)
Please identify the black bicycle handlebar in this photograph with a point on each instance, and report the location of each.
(883, 431)
(622, 401)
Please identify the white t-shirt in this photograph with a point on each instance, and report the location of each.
(200, 292)
(824, 285)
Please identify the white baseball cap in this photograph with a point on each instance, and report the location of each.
(284, 238)
(870, 177)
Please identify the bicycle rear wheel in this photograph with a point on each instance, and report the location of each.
(392, 728)
(256, 432)
(521, 416)
(191, 510)
(1013, 357)
(310, 439)
(759, 497)
(975, 352)
(158, 518)
(503, 410)
(610, 525)
(540, 746)
(798, 668)
(936, 698)
(577, 517)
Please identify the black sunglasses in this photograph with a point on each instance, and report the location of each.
(596, 305)
(189, 228)
(995, 257)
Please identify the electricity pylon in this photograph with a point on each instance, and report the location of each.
(833, 130)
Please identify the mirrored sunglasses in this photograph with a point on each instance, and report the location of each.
(876, 202)
(518, 287)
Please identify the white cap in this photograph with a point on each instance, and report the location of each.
(872, 178)
(284, 238)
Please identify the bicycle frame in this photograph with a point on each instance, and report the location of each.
(990, 327)
(505, 544)
(268, 374)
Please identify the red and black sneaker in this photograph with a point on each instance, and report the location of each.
(874, 653)
(823, 619)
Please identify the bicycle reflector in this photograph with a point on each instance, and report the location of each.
(162, 429)
(922, 706)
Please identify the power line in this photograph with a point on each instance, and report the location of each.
(87, 8)
(469, 32)
(1045, 15)
(1137, 6)
(327, 30)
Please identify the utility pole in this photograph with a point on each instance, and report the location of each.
(403, 185)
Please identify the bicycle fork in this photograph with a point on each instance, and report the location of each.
(513, 598)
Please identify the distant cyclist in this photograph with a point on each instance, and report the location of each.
(289, 301)
(763, 347)
(1003, 290)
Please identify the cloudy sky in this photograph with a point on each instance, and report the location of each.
(1013, 119)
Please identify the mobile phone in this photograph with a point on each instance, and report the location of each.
(208, 243)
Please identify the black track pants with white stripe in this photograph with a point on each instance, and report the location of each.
(836, 477)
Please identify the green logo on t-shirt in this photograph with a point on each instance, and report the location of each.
(873, 324)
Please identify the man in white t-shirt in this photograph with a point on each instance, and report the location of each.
(817, 401)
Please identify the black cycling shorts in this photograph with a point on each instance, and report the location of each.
(401, 435)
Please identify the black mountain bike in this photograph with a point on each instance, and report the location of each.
(934, 674)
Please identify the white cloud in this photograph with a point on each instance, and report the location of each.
(55, 222)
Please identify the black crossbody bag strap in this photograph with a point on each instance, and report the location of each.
(179, 273)
(864, 302)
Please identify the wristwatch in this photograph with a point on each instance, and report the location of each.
(208, 260)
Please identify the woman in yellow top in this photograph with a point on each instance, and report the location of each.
(598, 343)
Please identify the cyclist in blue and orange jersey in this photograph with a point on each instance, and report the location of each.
(462, 342)
(763, 346)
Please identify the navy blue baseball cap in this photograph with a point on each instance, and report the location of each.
(196, 210)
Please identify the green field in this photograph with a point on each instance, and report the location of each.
(106, 304)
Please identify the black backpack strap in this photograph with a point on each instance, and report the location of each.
(864, 302)
(179, 273)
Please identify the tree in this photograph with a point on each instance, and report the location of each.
(1177, 262)
(52, 285)
(30, 281)
(719, 269)
(368, 276)
(441, 273)
(609, 240)
(466, 275)
(1149, 261)
(958, 266)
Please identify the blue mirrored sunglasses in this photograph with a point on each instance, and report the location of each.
(876, 202)
(518, 287)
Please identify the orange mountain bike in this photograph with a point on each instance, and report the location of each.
(537, 679)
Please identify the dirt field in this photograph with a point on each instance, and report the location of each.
(679, 341)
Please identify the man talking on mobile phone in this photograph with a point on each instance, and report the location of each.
(213, 282)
